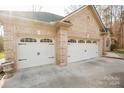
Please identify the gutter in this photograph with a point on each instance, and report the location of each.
(99, 17)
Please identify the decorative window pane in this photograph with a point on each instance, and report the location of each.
(33, 40)
(88, 41)
(51, 41)
(72, 41)
(22, 40)
(81, 41)
(46, 40)
(94, 42)
(28, 40)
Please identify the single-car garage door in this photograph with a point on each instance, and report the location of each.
(35, 52)
(81, 49)
(91, 49)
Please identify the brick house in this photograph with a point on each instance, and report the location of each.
(34, 39)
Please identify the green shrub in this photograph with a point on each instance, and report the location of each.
(113, 47)
(1, 44)
(120, 51)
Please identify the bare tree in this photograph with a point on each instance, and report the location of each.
(109, 14)
(37, 8)
(71, 8)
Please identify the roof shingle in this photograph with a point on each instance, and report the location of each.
(41, 16)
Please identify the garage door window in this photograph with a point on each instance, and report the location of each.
(95, 42)
(46, 40)
(72, 41)
(28, 40)
(81, 41)
(88, 41)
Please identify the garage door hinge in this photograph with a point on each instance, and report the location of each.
(51, 57)
(22, 59)
(21, 43)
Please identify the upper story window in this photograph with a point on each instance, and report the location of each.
(88, 41)
(72, 41)
(28, 40)
(46, 40)
(81, 41)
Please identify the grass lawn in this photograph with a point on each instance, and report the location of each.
(120, 51)
(2, 55)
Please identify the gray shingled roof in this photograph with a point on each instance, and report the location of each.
(42, 16)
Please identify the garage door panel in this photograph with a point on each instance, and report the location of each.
(76, 52)
(82, 50)
(37, 53)
(28, 52)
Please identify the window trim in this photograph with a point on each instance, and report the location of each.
(95, 42)
(46, 40)
(27, 39)
(72, 41)
(88, 41)
(81, 41)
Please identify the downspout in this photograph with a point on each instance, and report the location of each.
(103, 52)
(103, 44)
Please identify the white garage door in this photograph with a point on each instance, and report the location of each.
(91, 49)
(81, 49)
(35, 52)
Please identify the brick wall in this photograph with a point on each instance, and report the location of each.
(84, 26)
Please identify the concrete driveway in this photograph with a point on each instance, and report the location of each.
(100, 72)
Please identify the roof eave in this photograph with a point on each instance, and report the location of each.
(97, 14)
(10, 17)
(83, 7)
(72, 13)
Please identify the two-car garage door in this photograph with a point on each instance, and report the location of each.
(81, 49)
(35, 52)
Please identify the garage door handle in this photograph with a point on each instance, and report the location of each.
(38, 53)
(21, 43)
(22, 59)
(51, 57)
(51, 44)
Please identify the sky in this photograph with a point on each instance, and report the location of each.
(56, 9)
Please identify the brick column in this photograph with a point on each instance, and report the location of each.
(61, 42)
(9, 47)
(100, 46)
(9, 41)
(61, 46)
(103, 43)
